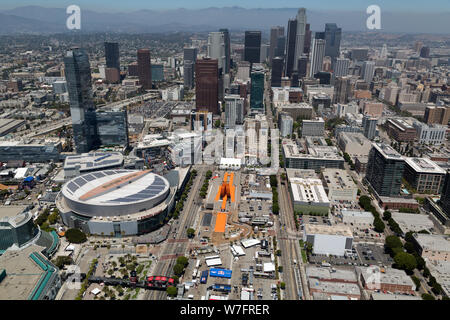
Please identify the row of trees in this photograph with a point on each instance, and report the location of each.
(387, 216)
(274, 185)
(366, 203)
(204, 189)
(179, 206)
(348, 159)
(407, 257)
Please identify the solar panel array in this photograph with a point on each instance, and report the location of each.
(152, 190)
(81, 181)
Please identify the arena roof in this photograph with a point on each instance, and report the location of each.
(114, 188)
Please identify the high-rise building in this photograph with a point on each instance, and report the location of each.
(226, 38)
(190, 54)
(207, 85)
(341, 67)
(216, 48)
(277, 71)
(368, 71)
(252, 46)
(285, 123)
(257, 91)
(188, 74)
(243, 72)
(79, 86)
(370, 126)
(300, 36)
(302, 66)
(264, 53)
(145, 68)
(359, 54)
(112, 127)
(342, 90)
(308, 35)
(333, 41)
(275, 34)
(317, 55)
(157, 72)
(112, 55)
(425, 52)
(445, 196)
(385, 170)
(438, 115)
(234, 110)
(290, 47)
(295, 80)
(281, 44)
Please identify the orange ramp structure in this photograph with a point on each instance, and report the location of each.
(221, 222)
(226, 190)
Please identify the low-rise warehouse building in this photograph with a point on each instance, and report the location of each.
(309, 196)
(413, 222)
(329, 240)
(357, 218)
(385, 279)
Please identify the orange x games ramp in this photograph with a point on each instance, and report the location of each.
(226, 190)
(221, 221)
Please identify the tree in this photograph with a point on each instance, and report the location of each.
(282, 285)
(171, 291)
(387, 215)
(75, 236)
(178, 269)
(190, 233)
(427, 296)
(405, 261)
(183, 261)
(378, 225)
(409, 247)
(61, 261)
(416, 282)
(392, 242)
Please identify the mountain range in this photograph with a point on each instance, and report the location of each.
(40, 20)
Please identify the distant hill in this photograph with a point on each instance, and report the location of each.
(35, 19)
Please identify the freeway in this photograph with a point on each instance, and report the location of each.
(172, 249)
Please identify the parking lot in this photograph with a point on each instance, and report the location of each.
(373, 254)
(242, 275)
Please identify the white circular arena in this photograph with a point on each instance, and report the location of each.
(115, 192)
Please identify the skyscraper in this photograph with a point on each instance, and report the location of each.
(369, 126)
(445, 196)
(290, 47)
(216, 48)
(79, 86)
(317, 55)
(302, 66)
(275, 33)
(112, 55)
(342, 89)
(226, 37)
(333, 41)
(341, 67)
(281, 44)
(252, 46)
(145, 68)
(385, 170)
(300, 36)
(277, 71)
(207, 85)
(234, 110)
(308, 34)
(188, 74)
(368, 71)
(190, 54)
(257, 91)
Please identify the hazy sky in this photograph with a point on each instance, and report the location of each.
(131, 5)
